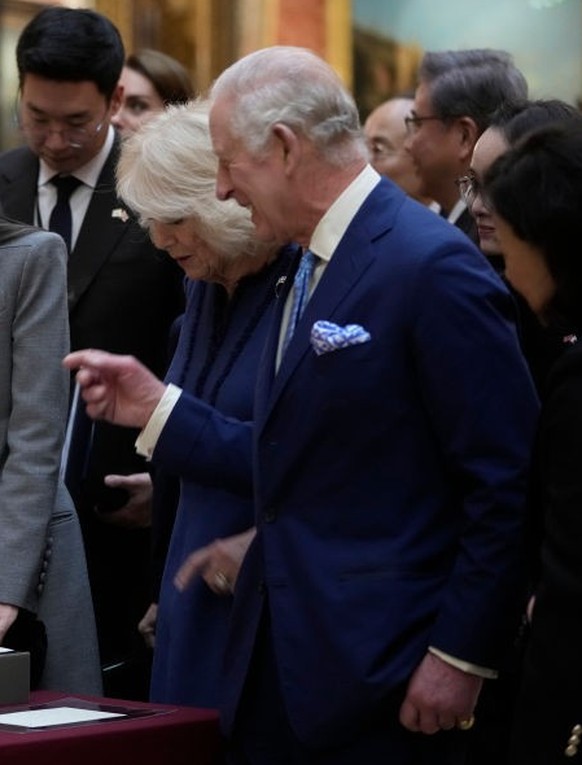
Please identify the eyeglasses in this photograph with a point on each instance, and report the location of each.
(38, 129)
(469, 189)
(413, 122)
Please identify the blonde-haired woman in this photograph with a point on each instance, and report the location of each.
(167, 175)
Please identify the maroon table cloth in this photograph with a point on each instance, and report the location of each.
(153, 734)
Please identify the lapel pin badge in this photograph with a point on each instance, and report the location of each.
(120, 214)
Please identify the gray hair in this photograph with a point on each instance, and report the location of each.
(472, 83)
(167, 171)
(294, 87)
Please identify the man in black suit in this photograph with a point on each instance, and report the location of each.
(456, 96)
(123, 294)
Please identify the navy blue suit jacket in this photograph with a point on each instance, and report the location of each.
(388, 477)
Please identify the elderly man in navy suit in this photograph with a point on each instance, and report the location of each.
(388, 454)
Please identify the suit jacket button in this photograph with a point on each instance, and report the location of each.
(261, 587)
(270, 515)
(571, 750)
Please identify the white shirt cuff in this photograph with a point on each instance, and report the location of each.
(148, 438)
(465, 666)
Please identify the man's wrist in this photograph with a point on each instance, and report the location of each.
(464, 666)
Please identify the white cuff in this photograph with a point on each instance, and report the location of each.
(148, 438)
(465, 666)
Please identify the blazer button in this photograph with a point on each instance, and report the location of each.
(270, 515)
(261, 587)
(571, 750)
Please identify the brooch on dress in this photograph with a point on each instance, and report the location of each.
(570, 339)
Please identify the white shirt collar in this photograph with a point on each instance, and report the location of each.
(457, 211)
(333, 225)
(88, 173)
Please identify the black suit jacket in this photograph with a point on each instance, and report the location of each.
(123, 295)
(550, 702)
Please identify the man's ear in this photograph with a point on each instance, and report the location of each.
(115, 101)
(288, 143)
(468, 135)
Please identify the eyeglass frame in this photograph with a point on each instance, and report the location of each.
(469, 189)
(47, 131)
(413, 121)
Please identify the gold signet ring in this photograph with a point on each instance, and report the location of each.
(221, 582)
(466, 724)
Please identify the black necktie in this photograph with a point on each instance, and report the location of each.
(61, 220)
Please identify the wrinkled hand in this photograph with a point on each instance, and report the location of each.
(147, 625)
(438, 696)
(137, 512)
(116, 388)
(8, 616)
(218, 563)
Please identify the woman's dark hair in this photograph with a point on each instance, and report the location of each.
(515, 119)
(71, 45)
(169, 78)
(536, 187)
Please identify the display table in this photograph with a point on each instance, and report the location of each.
(148, 734)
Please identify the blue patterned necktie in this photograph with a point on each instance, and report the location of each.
(61, 219)
(300, 294)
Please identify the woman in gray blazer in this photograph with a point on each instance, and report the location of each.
(42, 561)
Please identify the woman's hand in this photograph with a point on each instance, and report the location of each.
(218, 563)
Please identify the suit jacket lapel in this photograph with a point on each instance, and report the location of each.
(341, 275)
(99, 232)
(353, 256)
(269, 355)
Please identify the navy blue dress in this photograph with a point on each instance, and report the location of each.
(216, 359)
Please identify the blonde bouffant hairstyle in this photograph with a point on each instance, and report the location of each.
(167, 172)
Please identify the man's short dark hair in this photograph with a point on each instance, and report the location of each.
(471, 83)
(71, 45)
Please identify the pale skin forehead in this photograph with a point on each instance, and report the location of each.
(219, 121)
(388, 119)
(394, 110)
(490, 145)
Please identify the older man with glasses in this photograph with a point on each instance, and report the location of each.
(123, 294)
(385, 131)
(456, 96)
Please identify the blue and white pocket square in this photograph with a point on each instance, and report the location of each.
(327, 336)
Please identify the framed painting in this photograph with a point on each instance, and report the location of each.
(390, 37)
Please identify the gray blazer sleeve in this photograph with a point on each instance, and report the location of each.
(34, 336)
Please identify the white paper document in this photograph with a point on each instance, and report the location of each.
(45, 718)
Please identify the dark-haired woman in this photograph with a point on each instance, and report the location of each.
(535, 190)
(151, 81)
